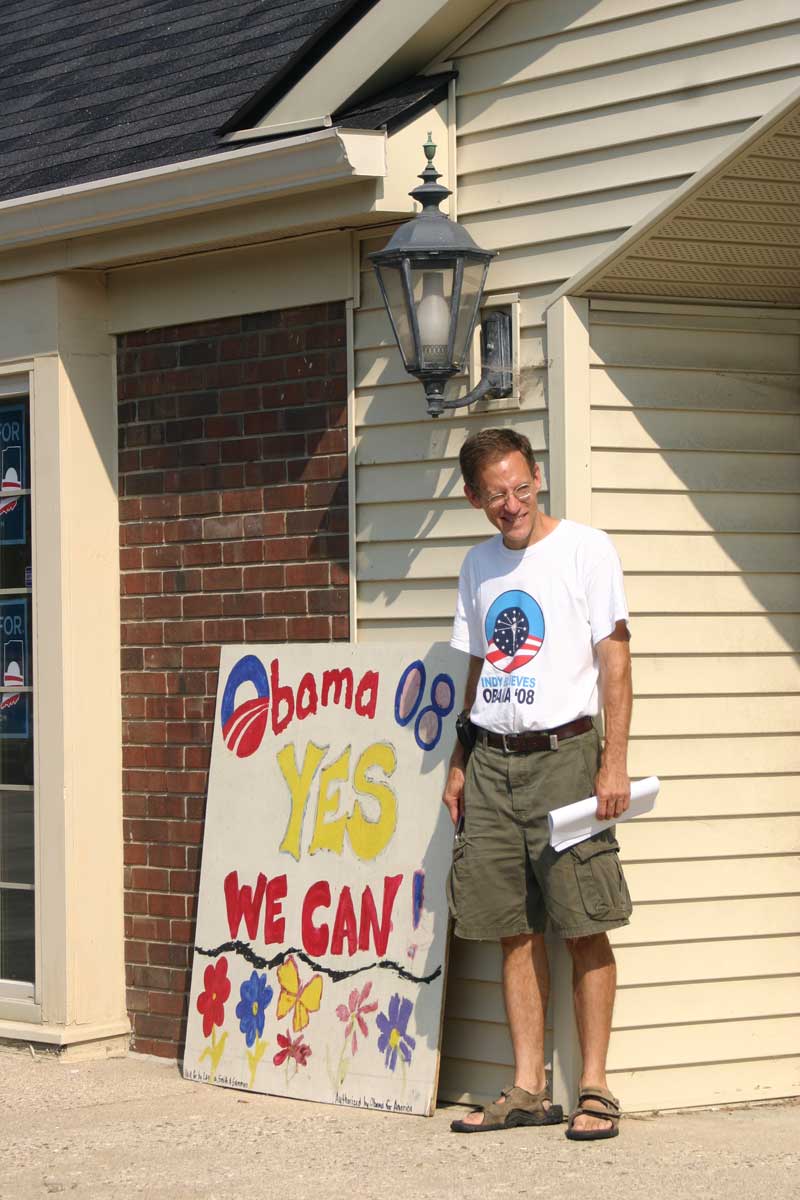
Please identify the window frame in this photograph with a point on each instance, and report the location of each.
(21, 1000)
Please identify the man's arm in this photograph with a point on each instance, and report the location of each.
(612, 784)
(453, 796)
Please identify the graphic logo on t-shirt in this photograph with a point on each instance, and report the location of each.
(514, 631)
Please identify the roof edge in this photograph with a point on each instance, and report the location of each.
(312, 160)
(578, 283)
(434, 88)
(310, 53)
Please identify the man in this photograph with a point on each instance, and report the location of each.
(541, 612)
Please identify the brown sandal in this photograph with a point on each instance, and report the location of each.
(609, 1112)
(520, 1108)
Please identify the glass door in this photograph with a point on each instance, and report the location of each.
(17, 873)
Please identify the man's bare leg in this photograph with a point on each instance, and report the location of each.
(594, 981)
(526, 986)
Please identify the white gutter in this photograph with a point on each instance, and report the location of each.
(271, 169)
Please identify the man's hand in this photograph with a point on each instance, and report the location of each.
(453, 795)
(613, 789)
(612, 785)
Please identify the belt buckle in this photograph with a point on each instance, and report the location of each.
(506, 748)
(553, 741)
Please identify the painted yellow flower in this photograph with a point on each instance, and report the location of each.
(303, 998)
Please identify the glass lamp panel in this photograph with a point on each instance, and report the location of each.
(471, 286)
(396, 301)
(433, 292)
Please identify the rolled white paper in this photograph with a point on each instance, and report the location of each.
(576, 822)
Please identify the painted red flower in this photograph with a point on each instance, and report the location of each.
(353, 1013)
(211, 1002)
(297, 1050)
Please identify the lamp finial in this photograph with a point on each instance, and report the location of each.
(431, 194)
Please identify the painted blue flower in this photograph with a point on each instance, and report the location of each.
(394, 1037)
(256, 995)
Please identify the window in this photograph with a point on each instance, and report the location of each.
(17, 874)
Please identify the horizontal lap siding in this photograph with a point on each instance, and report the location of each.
(573, 122)
(695, 421)
(413, 528)
(413, 525)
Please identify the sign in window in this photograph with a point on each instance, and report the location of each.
(17, 866)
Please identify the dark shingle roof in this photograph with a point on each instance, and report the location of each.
(93, 88)
(396, 106)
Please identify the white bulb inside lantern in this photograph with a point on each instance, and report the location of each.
(433, 318)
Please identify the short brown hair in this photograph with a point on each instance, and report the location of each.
(487, 445)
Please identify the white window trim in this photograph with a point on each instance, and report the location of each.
(56, 337)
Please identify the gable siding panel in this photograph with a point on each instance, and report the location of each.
(713, 572)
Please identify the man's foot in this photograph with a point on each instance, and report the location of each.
(584, 1126)
(514, 1107)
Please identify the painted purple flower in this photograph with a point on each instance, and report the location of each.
(394, 1036)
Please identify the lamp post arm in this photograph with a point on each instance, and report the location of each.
(485, 387)
(496, 377)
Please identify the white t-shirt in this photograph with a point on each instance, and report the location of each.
(535, 616)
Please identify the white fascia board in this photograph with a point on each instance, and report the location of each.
(306, 126)
(408, 31)
(581, 281)
(297, 164)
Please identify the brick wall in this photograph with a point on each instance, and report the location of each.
(233, 528)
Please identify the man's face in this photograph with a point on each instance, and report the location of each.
(507, 493)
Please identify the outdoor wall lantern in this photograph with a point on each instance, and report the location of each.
(431, 275)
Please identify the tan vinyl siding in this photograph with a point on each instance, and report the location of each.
(413, 525)
(477, 1059)
(729, 235)
(413, 528)
(573, 122)
(709, 966)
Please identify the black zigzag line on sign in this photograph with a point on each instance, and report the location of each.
(246, 951)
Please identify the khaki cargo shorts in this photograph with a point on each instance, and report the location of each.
(506, 879)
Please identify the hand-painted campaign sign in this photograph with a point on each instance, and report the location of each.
(322, 923)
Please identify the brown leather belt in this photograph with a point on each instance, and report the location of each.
(544, 739)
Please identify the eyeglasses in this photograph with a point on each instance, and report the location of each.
(523, 493)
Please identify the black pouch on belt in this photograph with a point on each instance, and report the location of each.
(466, 733)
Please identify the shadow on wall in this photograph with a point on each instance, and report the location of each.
(414, 524)
(695, 476)
(711, 457)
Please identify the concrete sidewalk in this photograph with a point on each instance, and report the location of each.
(129, 1127)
